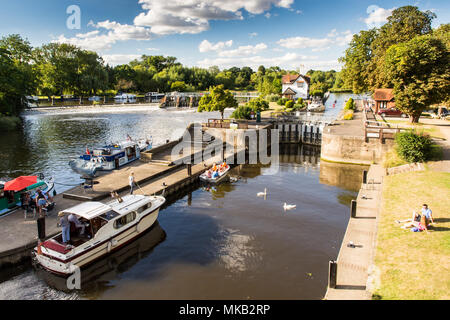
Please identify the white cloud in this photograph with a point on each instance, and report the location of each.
(289, 60)
(267, 15)
(253, 34)
(116, 59)
(243, 50)
(377, 16)
(206, 46)
(317, 44)
(193, 16)
(96, 41)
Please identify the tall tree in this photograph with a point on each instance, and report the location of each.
(420, 72)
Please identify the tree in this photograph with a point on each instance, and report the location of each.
(420, 72)
(403, 25)
(217, 100)
(178, 86)
(356, 61)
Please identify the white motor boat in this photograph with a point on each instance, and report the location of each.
(125, 97)
(109, 227)
(316, 107)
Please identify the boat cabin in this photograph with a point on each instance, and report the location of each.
(115, 155)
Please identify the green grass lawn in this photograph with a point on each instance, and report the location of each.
(414, 265)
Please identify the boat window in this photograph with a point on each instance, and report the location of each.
(109, 215)
(97, 223)
(144, 207)
(119, 223)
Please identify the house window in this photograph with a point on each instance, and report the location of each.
(300, 84)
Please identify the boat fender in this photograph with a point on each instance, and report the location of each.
(109, 246)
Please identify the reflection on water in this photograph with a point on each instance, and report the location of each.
(222, 243)
(346, 176)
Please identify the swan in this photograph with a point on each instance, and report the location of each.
(262, 194)
(289, 206)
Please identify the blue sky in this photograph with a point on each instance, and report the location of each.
(292, 34)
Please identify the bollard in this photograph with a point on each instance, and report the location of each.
(332, 274)
(353, 209)
(189, 169)
(364, 177)
(41, 228)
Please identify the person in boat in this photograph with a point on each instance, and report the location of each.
(74, 219)
(65, 225)
(41, 201)
(214, 168)
(215, 174)
(208, 173)
(131, 181)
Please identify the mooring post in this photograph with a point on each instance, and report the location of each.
(41, 228)
(332, 274)
(189, 169)
(364, 177)
(353, 209)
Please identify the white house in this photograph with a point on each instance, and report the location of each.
(295, 86)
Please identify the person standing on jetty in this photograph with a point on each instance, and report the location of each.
(131, 181)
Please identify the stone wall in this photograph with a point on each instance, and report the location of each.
(353, 149)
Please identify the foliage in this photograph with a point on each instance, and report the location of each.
(419, 70)
(258, 104)
(413, 147)
(350, 104)
(272, 97)
(9, 123)
(321, 82)
(242, 112)
(289, 104)
(364, 59)
(217, 100)
(348, 115)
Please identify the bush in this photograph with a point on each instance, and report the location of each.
(8, 123)
(281, 101)
(289, 104)
(298, 106)
(413, 147)
(348, 115)
(242, 112)
(272, 97)
(350, 105)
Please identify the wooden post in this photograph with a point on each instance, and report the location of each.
(189, 169)
(332, 274)
(364, 177)
(353, 209)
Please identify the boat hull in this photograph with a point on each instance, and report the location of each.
(98, 250)
(220, 179)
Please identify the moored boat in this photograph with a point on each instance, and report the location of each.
(11, 191)
(109, 226)
(110, 157)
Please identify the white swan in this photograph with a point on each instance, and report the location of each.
(262, 194)
(289, 206)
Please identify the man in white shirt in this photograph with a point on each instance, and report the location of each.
(131, 181)
(73, 218)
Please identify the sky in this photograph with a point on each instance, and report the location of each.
(292, 34)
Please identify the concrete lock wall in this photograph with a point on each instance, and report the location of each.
(353, 149)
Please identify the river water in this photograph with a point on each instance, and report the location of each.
(220, 243)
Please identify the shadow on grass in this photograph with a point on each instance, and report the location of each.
(442, 220)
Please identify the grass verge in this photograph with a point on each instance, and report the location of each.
(414, 265)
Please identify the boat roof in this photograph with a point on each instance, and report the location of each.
(88, 210)
(92, 209)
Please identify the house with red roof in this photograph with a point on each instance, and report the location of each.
(384, 99)
(295, 86)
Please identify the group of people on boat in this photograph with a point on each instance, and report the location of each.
(216, 169)
(71, 225)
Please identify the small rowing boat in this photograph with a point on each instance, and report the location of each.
(215, 177)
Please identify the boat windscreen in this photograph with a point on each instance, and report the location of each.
(109, 215)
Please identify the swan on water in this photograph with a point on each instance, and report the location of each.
(262, 194)
(289, 206)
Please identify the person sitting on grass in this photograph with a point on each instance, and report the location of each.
(422, 226)
(428, 214)
(412, 222)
